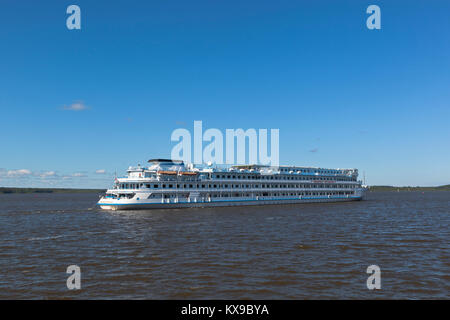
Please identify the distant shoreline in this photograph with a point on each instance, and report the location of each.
(48, 190)
(406, 189)
(8, 190)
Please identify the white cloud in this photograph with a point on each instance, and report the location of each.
(18, 173)
(78, 174)
(48, 174)
(76, 106)
(49, 177)
(100, 171)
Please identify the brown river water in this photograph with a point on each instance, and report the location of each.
(307, 251)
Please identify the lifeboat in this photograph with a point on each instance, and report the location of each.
(167, 172)
(188, 173)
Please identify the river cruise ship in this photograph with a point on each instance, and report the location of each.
(168, 184)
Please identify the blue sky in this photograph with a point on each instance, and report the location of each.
(342, 95)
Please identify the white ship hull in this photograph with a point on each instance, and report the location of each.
(168, 184)
(219, 203)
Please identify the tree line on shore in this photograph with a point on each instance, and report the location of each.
(47, 190)
(408, 188)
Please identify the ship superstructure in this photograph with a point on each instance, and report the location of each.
(173, 184)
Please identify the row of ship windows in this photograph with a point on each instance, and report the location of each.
(264, 177)
(232, 186)
(263, 194)
(310, 171)
(281, 177)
